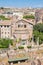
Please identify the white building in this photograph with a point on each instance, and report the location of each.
(19, 14)
(5, 29)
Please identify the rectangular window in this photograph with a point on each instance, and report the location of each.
(18, 26)
(2, 32)
(8, 36)
(8, 32)
(5, 32)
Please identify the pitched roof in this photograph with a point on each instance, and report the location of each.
(5, 22)
(9, 22)
(30, 21)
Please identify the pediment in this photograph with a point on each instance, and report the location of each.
(24, 21)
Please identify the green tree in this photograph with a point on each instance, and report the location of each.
(29, 16)
(2, 7)
(38, 32)
(3, 18)
(4, 43)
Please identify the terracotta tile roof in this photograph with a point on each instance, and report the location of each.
(9, 22)
(31, 21)
(5, 22)
(40, 11)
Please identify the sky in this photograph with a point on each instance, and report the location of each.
(21, 3)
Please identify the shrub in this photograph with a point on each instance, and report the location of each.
(4, 43)
(29, 16)
(21, 47)
(28, 46)
(15, 48)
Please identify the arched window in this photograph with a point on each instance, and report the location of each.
(24, 26)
